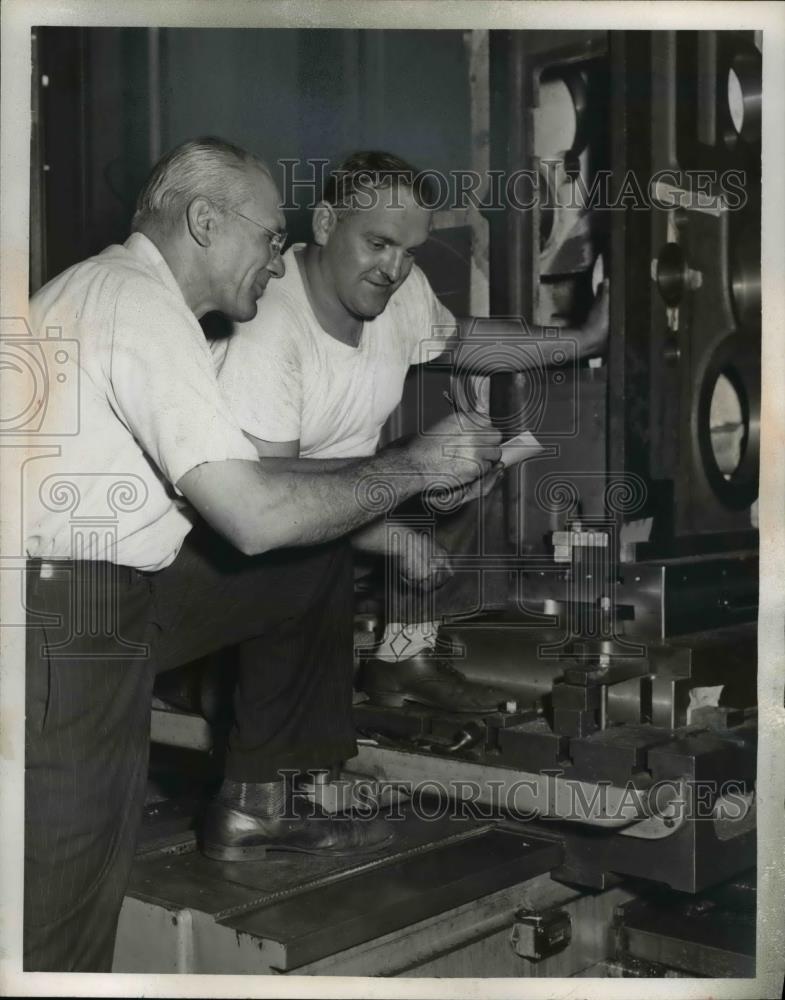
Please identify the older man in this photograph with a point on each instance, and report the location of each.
(322, 366)
(184, 565)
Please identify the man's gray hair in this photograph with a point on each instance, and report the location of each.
(206, 166)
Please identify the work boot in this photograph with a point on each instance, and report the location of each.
(426, 679)
(248, 819)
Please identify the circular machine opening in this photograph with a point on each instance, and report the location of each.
(555, 119)
(597, 274)
(728, 429)
(743, 93)
(735, 100)
(727, 420)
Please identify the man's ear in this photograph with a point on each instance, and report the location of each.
(324, 221)
(201, 218)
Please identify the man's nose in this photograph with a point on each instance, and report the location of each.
(276, 266)
(392, 265)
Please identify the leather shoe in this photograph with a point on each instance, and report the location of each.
(427, 680)
(233, 834)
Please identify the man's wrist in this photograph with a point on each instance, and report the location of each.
(412, 459)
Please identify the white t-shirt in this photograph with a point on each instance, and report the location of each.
(286, 379)
(133, 395)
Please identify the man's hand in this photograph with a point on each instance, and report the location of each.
(452, 500)
(593, 334)
(423, 562)
(465, 452)
(274, 503)
(483, 486)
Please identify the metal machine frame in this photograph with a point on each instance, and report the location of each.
(632, 572)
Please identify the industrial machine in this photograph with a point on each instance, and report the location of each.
(602, 820)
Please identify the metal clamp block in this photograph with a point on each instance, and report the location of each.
(538, 935)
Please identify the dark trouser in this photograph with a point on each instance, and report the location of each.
(94, 643)
(475, 530)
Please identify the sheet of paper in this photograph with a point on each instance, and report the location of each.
(519, 448)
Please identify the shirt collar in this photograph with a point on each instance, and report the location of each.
(143, 248)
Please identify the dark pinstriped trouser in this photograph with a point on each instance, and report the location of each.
(94, 644)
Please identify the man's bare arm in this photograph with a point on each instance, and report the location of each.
(372, 537)
(278, 502)
(590, 338)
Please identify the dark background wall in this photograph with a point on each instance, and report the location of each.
(109, 99)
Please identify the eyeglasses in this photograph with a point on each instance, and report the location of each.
(277, 240)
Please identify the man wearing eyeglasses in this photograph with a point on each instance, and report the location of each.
(151, 540)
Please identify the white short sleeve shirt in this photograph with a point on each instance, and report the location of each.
(140, 400)
(285, 378)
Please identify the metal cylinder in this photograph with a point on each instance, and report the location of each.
(744, 261)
